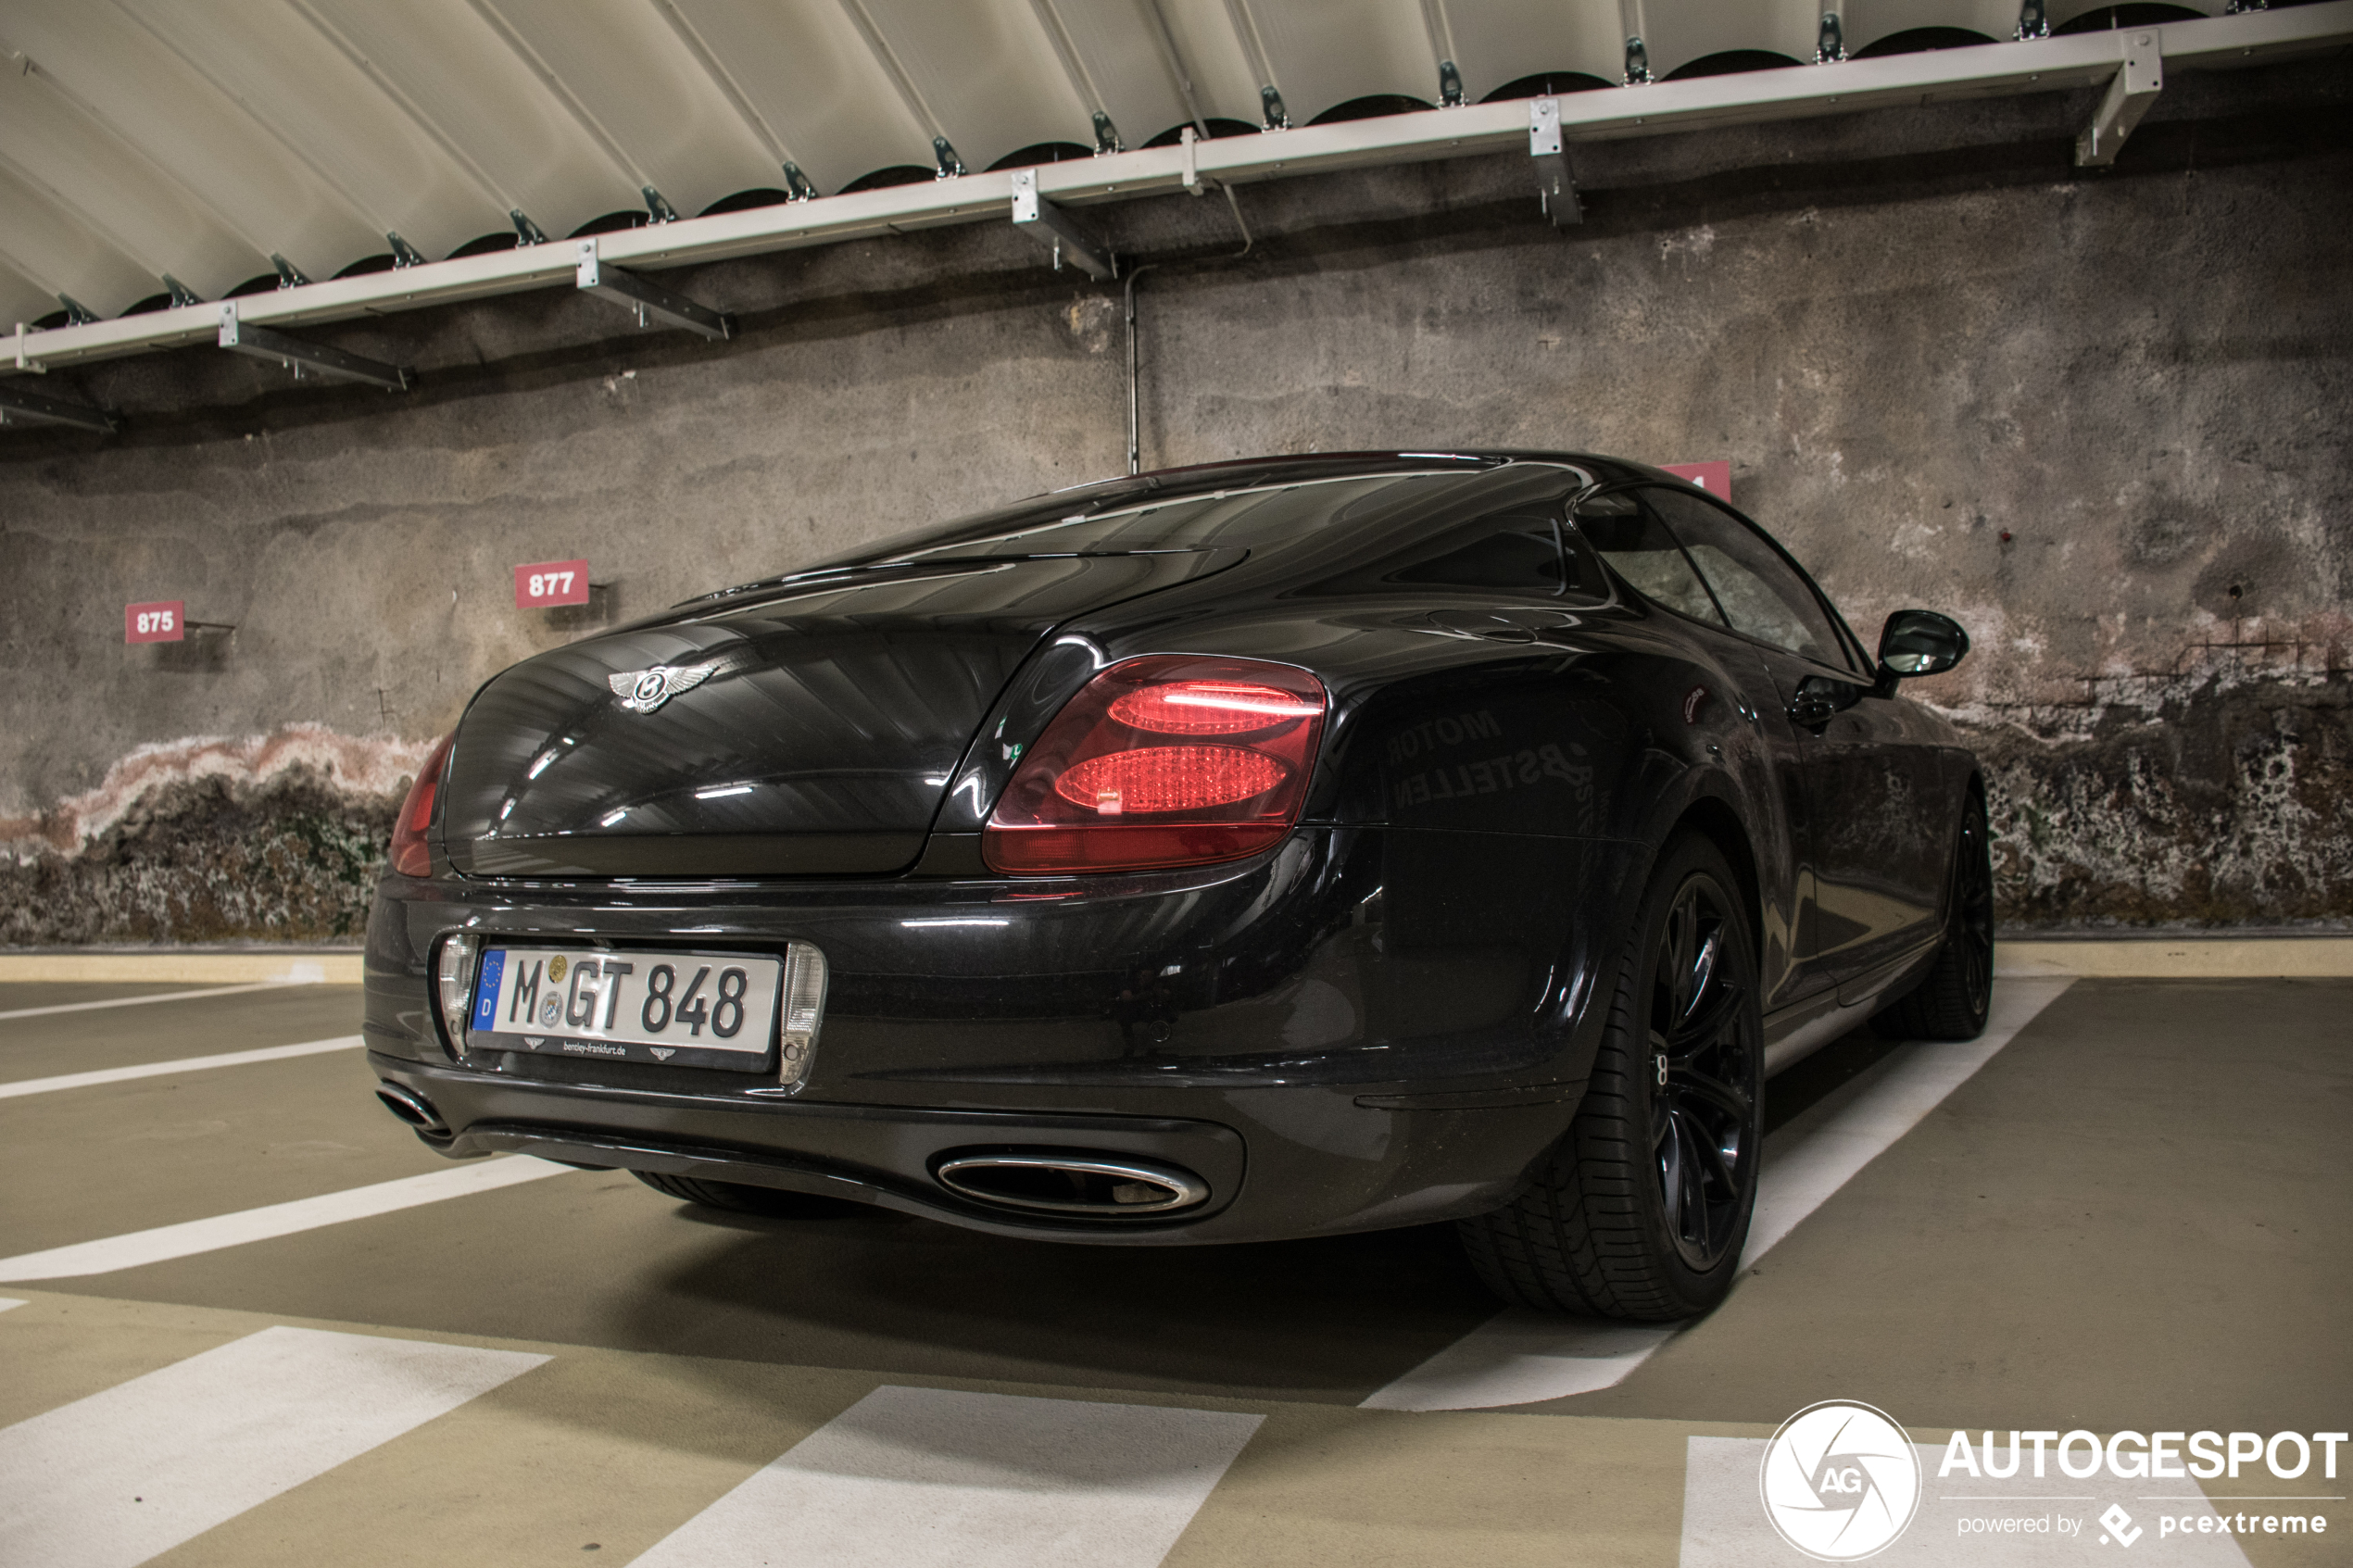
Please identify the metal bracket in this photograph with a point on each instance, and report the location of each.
(262, 343)
(181, 294)
(650, 301)
(526, 232)
(1271, 109)
(403, 253)
(2130, 93)
(797, 186)
(1555, 182)
(20, 407)
(1054, 228)
(1450, 86)
(1107, 136)
(1830, 40)
(2033, 20)
(1637, 62)
(657, 209)
(944, 159)
(77, 313)
(289, 275)
(24, 362)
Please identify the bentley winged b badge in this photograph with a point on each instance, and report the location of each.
(642, 691)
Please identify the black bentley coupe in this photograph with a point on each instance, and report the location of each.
(1254, 850)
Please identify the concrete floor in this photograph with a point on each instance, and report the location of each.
(2134, 1216)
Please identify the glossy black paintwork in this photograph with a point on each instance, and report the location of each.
(820, 740)
(1394, 1010)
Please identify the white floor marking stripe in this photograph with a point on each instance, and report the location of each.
(919, 1478)
(1725, 1526)
(176, 1065)
(159, 997)
(167, 1242)
(1520, 1356)
(114, 1479)
(9, 1301)
(1797, 1180)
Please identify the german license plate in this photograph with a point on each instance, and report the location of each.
(696, 1010)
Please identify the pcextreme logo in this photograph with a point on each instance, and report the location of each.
(1840, 1481)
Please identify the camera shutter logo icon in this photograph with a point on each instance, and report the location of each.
(1840, 1481)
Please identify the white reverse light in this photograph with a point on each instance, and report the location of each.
(453, 983)
(799, 1010)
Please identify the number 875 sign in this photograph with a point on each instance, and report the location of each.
(551, 583)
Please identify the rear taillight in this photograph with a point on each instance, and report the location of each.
(410, 855)
(1170, 760)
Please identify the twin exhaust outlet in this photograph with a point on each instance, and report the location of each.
(1068, 1183)
(1045, 1183)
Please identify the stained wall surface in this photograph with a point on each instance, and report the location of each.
(2100, 417)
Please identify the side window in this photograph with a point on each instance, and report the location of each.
(1516, 553)
(1761, 594)
(1627, 534)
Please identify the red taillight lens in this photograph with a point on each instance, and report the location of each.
(1168, 778)
(1124, 778)
(410, 855)
(1211, 708)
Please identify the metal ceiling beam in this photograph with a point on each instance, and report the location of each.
(2072, 62)
(593, 274)
(1051, 227)
(261, 342)
(19, 405)
(1555, 183)
(2129, 94)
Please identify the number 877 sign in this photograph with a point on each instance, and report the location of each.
(551, 583)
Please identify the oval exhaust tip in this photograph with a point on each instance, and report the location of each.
(411, 1107)
(1101, 1185)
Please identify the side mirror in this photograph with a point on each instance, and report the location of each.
(1919, 641)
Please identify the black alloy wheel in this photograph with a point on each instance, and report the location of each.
(1643, 1208)
(1953, 1001)
(1703, 1105)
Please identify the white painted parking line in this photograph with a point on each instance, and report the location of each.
(914, 1477)
(1797, 1180)
(1959, 1522)
(159, 997)
(1520, 1357)
(9, 1301)
(117, 1478)
(176, 1065)
(167, 1242)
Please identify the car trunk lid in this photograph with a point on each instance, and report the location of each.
(810, 731)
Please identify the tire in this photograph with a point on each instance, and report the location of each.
(1638, 1213)
(738, 1198)
(1951, 1002)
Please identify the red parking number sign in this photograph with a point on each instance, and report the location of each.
(162, 621)
(551, 583)
(1714, 478)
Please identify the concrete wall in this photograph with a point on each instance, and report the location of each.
(2098, 418)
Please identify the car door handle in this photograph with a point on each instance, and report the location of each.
(1812, 710)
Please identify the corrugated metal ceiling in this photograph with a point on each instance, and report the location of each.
(153, 145)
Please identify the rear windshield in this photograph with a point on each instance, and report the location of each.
(1270, 515)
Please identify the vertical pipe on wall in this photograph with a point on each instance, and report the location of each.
(1135, 422)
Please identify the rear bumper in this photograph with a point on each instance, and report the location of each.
(1360, 1029)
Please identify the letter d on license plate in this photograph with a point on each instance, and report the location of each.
(689, 1009)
